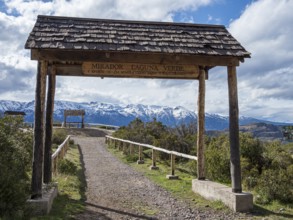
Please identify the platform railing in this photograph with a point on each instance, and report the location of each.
(59, 154)
(123, 144)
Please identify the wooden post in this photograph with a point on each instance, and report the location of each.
(140, 159)
(234, 131)
(131, 149)
(82, 121)
(38, 155)
(64, 122)
(124, 147)
(154, 160)
(49, 125)
(172, 164)
(172, 176)
(201, 126)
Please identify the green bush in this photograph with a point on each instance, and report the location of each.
(131, 158)
(15, 166)
(59, 135)
(192, 167)
(275, 185)
(217, 157)
(66, 166)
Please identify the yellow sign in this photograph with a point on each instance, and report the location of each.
(140, 70)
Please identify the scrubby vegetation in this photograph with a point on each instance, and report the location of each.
(16, 146)
(267, 167)
(15, 167)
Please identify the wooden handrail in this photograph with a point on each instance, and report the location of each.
(59, 153)
(153, 147)
(59, 149)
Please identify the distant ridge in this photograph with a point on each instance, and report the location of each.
(115, 114)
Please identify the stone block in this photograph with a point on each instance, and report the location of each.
(238, 202)
(140, 162)
(172, 177)
(43, 206)
(154, 168)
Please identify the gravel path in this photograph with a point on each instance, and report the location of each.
(116, 191)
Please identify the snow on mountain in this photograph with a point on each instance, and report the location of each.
(114, 114)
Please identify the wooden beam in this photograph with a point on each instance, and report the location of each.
(131, 57)
(234, 131)
(201, 126)
(37, 170)
(49, 125)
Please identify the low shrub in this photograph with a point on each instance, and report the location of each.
(66, 166)
(131, 158)
(59, 135)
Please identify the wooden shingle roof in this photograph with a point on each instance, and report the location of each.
(68, 33)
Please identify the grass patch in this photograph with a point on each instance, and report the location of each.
(71, 187)
(181, 189)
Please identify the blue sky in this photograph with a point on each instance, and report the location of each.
(263, 27)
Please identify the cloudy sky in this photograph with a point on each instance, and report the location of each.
(263, 27)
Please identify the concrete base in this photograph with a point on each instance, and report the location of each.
(140, 162)
(42, 206)
(172, 177)
(154, 168)
(239, 202)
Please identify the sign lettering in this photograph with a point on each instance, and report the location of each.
(137, 70)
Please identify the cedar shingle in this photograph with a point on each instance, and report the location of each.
(96, 34)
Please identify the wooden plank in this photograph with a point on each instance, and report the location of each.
(234, 131)
(132, 57)
(201, 126)
(37, 170)
(49, 125)
(136, 70)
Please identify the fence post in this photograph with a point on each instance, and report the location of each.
(154, 160)
(124, 147)
(172, 176)
(140, 159)
(120, 145)
(130, 149)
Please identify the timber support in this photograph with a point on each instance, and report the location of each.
(201, 125)
(49, 125)
(172, 176)
(38, 154)
(234, 131)
(154, 160)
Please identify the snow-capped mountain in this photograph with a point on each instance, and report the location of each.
(119, 115)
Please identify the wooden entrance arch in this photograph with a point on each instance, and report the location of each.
(134, 49)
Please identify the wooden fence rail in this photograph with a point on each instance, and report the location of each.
(59, 153)
(121, 143)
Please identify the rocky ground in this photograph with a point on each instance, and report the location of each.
(116, 191)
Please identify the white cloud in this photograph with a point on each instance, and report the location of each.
(264, 28)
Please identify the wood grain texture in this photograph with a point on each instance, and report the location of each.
(201, 126)
(38, 154)
(234, 131)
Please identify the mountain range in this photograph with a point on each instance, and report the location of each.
(119, 115)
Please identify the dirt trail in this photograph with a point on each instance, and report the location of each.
(116, 191)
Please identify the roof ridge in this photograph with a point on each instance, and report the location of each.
(134, 21)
